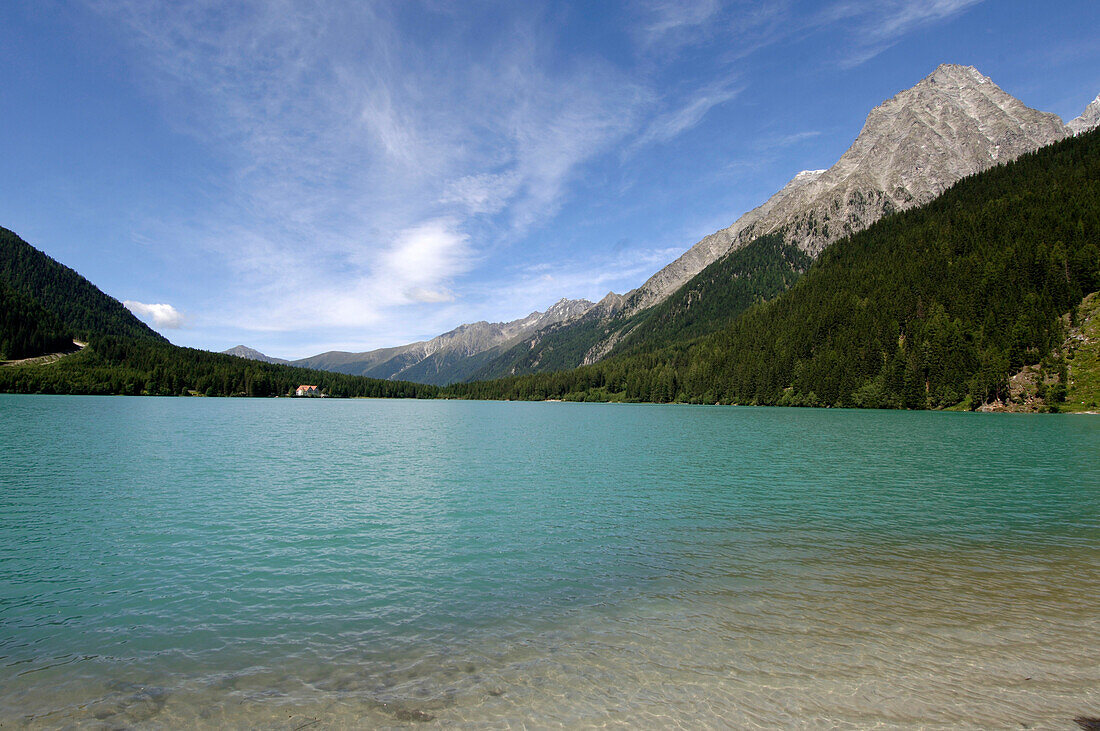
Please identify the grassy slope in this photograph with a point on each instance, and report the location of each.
(1084, 367)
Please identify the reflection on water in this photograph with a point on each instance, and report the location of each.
(392, 564)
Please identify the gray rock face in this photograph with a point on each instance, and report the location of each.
(1089, 119)
(448, 357)
(243, 351)
(953, 123)
(610, 304)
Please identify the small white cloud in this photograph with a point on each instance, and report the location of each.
(161, 315)
(484, 193)
(431, 296)
(421, 261)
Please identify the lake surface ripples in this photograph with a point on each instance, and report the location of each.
(322, 563)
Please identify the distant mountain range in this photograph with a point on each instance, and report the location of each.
(952, 124)
(452, 356)
(243, 351)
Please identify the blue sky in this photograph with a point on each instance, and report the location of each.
(306, 176)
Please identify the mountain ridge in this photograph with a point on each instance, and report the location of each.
(243, 351)
(1088, 119)
(953, 123)
(869, 180)
(445, 358)
(934, 308)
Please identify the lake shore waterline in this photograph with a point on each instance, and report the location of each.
(487, 563)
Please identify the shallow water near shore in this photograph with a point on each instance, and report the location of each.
(322, 563)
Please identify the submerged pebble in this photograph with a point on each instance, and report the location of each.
(412, 714)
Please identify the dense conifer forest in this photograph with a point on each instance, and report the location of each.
(930, 308)
(69, 297)
(116, 365)
(753, 274)
(28, 330)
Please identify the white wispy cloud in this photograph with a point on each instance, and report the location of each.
(371, 168)
(892, 19)
(873, 26)
(368, 148)
(674, 122)
(865, 28)
(787, 140)
(160, 315)
(483, 192)
(674, 21)
(421, 262)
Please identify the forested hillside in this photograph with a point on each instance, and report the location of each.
(132, 366)
(27, 330)
(709, 301)
(75, 302)
(756, 273)
(43, 304)
(925, 309)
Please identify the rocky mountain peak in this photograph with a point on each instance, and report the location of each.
(243, 351)
(955, 109)
(1089, 119)
(956, 73)
(564, 309)
(806, 176)
(953, 123)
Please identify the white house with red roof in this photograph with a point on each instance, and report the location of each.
(308, 391)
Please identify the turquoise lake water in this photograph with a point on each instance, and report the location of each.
(278, 563)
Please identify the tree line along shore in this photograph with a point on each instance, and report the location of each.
(979, 298)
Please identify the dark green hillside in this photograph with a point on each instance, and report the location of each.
(27, 330)
(77, 303)
(714, 297)
(43, 304)
(924, 309)
(558, 347)
(709, 301)
(136, 366)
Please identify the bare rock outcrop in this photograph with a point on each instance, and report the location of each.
(1089, 119)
